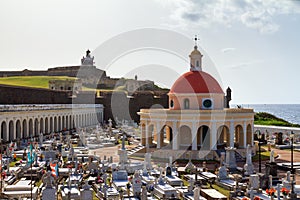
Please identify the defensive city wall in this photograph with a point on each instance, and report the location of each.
(116, 104)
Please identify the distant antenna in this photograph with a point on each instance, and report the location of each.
(196, 39)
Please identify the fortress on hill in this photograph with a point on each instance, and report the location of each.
(89, 74)
(124, 103)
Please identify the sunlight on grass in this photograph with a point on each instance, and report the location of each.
(32, 81)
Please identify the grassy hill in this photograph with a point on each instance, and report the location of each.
(31, 81)
(263, 118)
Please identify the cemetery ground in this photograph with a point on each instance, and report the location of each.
(281, 156)
(115, 155)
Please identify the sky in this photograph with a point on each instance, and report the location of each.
(252, 46)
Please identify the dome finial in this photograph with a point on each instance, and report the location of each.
(196, 43)
(196, 57)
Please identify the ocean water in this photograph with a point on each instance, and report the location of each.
(288, 112)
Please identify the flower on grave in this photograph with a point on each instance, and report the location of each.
(285, 191)
(270, 191)
(256, 198)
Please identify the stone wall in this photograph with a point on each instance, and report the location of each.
(116, 104)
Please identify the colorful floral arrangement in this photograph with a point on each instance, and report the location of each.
(285, 191)
(270, 192)
(256, 198)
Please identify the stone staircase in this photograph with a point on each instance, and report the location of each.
(238, 156)
(135, 149)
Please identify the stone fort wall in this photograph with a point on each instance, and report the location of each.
(116, 104)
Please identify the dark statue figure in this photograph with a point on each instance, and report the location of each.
(227, 97)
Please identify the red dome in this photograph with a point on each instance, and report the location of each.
(196, 82)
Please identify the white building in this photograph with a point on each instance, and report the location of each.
(197, 117)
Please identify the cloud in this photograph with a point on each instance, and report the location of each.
(225, 50)
(255, 14)
(244, 64)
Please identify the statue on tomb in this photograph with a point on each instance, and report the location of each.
(41, 138)
(272, 156)
(48, 180)
(196, 193)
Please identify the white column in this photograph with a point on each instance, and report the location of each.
(245, 134)
(213, 136)
(231, 134)
(147, 135)
(194, 136)
(158, 135)
(175, 136)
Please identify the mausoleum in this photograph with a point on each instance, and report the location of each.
(198, 117)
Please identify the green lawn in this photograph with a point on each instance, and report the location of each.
(264, 156)
(31, 81)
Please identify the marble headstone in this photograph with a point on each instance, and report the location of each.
(254, 181)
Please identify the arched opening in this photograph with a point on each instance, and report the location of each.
(71, 122)
(24, 125)
(55, 124)
(166, 136)
(59, 124)
(203, 137)
(186, 104)
(171, 104)
(18, 129)
(46, 125)
(4, 131)
(185, 138)
(238, 136)
(223, 137)
(11, 130)
(36, 127)
(249, 134)
(41, 126)
(67, 123)
(30, 128)
(51, 125)
(63, 123)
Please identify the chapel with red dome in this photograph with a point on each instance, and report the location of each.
(198, 118)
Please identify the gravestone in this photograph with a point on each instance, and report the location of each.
(270, 181)
(148, 161)
(168, 171)
(278, 191)
(222, 175)
(287, 182)
(136, 184)
(248, 167)
(254, 181)
(86, 192)
(230, 158)
(49, 194)
(271, 169)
